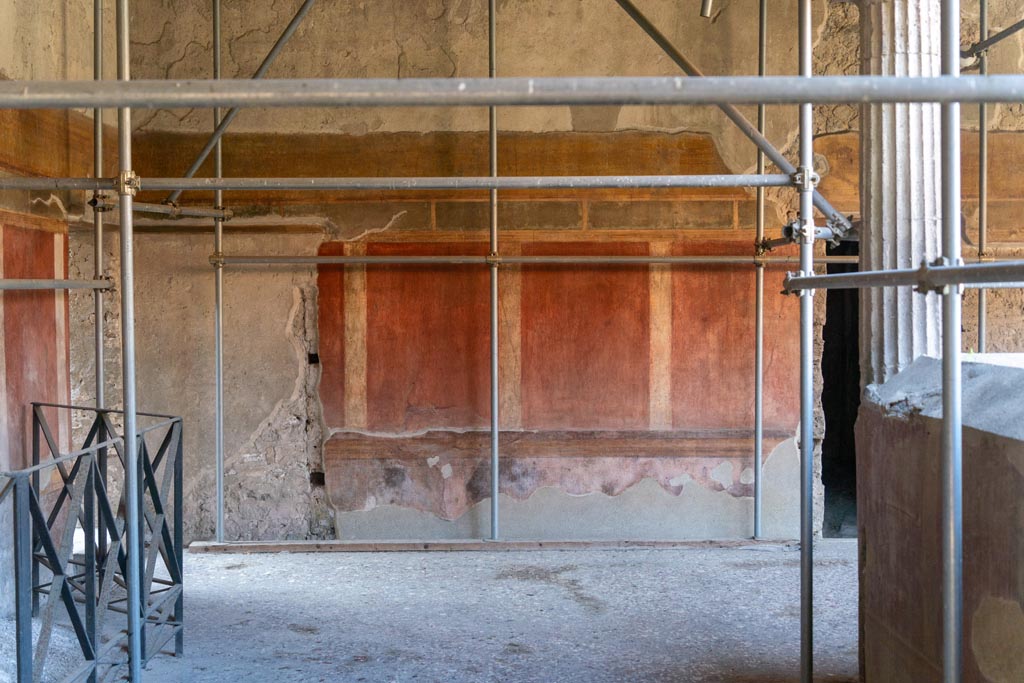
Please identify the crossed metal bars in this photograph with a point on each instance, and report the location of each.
(85, 588)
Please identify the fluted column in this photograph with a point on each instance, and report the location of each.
(900, 187)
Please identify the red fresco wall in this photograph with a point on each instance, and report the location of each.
(427, 341)
(30, 336)
(713, 342)
(586, 340)
(577, 358)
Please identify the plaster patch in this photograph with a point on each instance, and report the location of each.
(681, 480)
(723, 474)
(446, 471)
(997, 639)
(432, 462)
(747, 476)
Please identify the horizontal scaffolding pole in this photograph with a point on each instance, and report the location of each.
(445, 92)
(996, 285)
(926, 278)
(172, 210)
(15, 285)
(512, 260)
(400, 183)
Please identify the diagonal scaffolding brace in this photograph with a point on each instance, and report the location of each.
(833, 217)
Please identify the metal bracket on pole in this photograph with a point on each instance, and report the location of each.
(128, 184)
(100, 203)
(925, 283)
(806, 179)
(217, 259)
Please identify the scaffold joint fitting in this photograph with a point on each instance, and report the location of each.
(128, 183)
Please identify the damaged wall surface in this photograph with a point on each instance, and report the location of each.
(900, 523)
(272, 432)
(357, 433)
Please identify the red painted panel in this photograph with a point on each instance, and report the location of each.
(713, 344)
(427, 341)
(331, 326)
(30, 336)
(586, 340)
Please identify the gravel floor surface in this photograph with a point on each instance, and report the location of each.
(726, 615)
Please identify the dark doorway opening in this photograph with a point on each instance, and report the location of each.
(840, 399)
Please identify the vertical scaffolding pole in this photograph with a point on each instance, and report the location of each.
(983, 180)
(218, 288)
(806, 173)
(23, 579)
(952, 482)
(492, 63)
(97, 216)
(97, 254)
(126, 192)
(762, 65)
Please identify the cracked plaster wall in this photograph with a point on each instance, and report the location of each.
(273, 431)
(445, 38)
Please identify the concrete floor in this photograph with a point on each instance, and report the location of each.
(644, 616)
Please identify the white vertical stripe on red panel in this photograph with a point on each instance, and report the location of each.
(61, 342)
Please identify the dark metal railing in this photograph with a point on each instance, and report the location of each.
(54, 584)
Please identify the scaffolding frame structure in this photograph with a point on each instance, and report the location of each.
(947, 277)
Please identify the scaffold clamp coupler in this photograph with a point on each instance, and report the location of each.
(128, 184)
(805, 179)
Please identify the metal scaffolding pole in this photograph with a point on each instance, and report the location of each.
(97, 216)
(983, 179)
(756, 135)
(762, 65)
(126, 192)
(170, 210)
(222, 124)
(927, 278)
(808, 178)
(952, 466)
(505, 92)
(23, 285)
(245, 260)
(218, 282)
(392, 184)
(492, 66)
(987, 41)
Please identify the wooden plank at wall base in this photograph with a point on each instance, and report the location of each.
(203, 547)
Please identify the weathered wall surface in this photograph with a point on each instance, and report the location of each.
(446, 39)
(272, 434)
(279, 417)
(900, 524)
(38, 40)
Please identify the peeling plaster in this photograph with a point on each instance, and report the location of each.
(997, 631)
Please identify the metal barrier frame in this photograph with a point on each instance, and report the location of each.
(97, 579)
